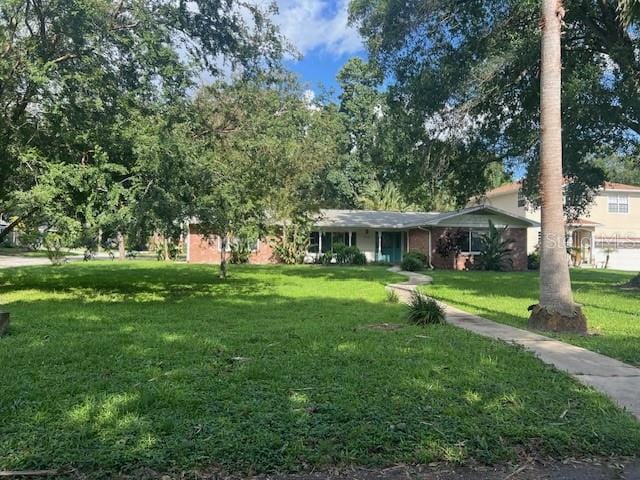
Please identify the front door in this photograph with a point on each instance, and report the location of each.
(391, 247)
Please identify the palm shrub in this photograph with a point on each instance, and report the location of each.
(423, 310)
(495, 254)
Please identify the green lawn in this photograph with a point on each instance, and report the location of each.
(613, 313)
(111, 367)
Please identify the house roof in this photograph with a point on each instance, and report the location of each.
(504, 189)
(403, 220)
(372, 219)
(620, 186)
(515, 186)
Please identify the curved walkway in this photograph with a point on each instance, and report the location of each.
(617, 380)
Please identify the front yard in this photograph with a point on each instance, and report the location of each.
(114, 367)
(613, 313)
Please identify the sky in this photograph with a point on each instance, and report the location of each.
(320, 32)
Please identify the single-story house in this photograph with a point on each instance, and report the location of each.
(385, 236)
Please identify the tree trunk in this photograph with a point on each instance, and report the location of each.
(99, 241)
(223, 258)
(122, 253)
(165, 246)
(557, 310)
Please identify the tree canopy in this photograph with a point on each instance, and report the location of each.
(469, 71)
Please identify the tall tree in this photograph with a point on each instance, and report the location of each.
(73, 72)
(556, 310)
(265, 150)
(471, 69)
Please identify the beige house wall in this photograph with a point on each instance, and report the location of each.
(621, 227)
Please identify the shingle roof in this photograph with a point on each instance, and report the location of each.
(372, 219)
(401, 220)
(620, 186)
(515, 186)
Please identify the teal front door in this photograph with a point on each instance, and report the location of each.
(391, 247)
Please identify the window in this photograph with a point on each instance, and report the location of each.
(619, 203)
(229, 243)
(471, 240)
(329, 240)
(522, 200)
(314, 242)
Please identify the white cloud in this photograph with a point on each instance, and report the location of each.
(318, 25)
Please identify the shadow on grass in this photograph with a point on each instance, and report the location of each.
(267, 381)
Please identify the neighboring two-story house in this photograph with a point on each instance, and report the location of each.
(610, 228)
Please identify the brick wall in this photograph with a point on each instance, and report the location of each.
(465, 261)
(205, 249)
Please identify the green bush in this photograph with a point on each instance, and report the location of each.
(423, 310)
(344, 255)
(495, 253)
(359, 258)
(411, 264)
(533, 261)
(392, 296)
(417, 254)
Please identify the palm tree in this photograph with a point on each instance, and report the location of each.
(556, 311)
(629, 11)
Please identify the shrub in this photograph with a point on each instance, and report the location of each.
(392, 296)
(240, 252)
(417, 254)
(411, 264)
(345, 255)
(326, 258)
(495, 254)
(423, 310)
(359, 258)
(533, 261)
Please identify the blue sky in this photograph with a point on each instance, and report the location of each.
(319, 30)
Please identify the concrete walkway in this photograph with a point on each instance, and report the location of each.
(617, 380)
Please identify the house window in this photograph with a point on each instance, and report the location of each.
(314, 242)
(229, 243)
(471, 240)
(522, 200)
(353, 239)
(619, 203)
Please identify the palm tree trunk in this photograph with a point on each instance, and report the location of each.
(557, 310)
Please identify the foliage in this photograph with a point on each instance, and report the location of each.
(423, 310)
(411, 263)
(533, 261)
(469, 71)
(448, 245)
(495, 251)
(292, 240)
(260, 167)
(240, 251)
(417, 254)
(392, 296)
(387, 198)
(348, 255)
(78, 77)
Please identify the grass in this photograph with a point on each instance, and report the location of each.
(613, 313)
(111, 367)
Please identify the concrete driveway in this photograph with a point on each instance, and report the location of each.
(11, 261)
